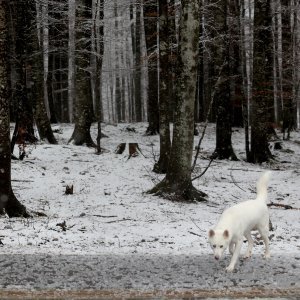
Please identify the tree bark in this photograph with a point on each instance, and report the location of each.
(138, 63)
(83, 104)
(177, 184)
(8, 201)
(23, 105)
(296, 58)
(236, 75)
(71, 57)
(150, 21)
(58, 37)
(289, 104)
(164, 89)
(224, 148)
(262, 97)
(35, 62)
(99, 50)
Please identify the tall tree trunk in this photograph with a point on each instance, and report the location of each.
(202, 94)
(236, 76)
(24, 132)
(98, 52)
(177, 185)
(118, 95)
(83, 104)
(164, 89)
(71, 58)
(50, 89)
(262, 99)
(245, 83)
(277, 59)
(296, 58)
(289, 104)
(224, 148)
(35, 63)
(150, 21)
(58, 37)
(8, 201)
(138, 62)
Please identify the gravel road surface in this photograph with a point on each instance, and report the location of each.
(145, 276)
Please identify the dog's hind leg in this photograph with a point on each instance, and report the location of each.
(250, 245)
(265, 236)
(235, 256)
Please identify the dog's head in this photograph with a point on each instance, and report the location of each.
(219, 241)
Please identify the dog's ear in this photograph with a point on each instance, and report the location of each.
(211, 233)
(226, 234)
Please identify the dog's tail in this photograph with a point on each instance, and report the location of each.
(262, 186)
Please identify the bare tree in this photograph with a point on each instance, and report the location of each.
(57, 76)
(97, 59)
(8, 201)
(151, 32)
(71, 57)
(36, 76)
(287, 84)
(177, 185)
(224, 61)
(296, 56)
(20, 23)
(164, 88)
(262, 99)
(83, 103)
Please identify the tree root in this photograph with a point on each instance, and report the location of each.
(184, 192)
(219, 154)
(14, 208)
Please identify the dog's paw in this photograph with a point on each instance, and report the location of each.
(247, 255)
(229, 269)
(266, 256)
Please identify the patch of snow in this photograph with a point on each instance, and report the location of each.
(110, 211)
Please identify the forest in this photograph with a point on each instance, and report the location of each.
(161, 62)
(235, 63)
(127, 127)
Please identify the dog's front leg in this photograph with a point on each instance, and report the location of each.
(250, 244)
(235, 256)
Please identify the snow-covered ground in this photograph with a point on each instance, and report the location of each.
(120, 242)
(110, 211)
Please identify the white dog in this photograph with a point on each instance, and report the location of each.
(238, 221)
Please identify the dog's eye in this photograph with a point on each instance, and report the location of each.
(221, 246)
(214, 246)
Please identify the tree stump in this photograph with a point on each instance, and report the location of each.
(69, 190)
(120, 148)
(133, 149)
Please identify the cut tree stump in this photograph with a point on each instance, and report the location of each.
(120, 148)
(133, 149)
(69, 190)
